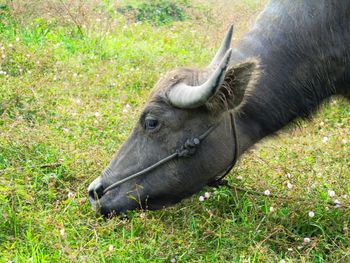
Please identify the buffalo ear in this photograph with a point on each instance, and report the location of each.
(239, 78)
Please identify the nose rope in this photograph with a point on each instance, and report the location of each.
(186, 150)
(219, 181)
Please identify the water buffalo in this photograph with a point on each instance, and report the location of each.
(198, 121)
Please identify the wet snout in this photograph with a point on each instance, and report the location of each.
(95, 190)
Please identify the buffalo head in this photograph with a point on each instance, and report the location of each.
(183, 104)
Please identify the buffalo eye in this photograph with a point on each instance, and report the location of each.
(151, 123)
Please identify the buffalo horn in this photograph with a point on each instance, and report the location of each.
(223, 49)
(189, 97)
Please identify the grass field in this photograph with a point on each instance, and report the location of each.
(74, 76)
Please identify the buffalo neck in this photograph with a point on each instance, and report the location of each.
(299, 66)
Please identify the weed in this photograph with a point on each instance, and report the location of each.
(158, 11)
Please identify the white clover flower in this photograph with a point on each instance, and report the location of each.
(126, 108)
(272, 209)
(289, 186)
(66, 130)
(97, 114)
(331, 193)
(344, 141)
(288, 175)
(321, 123)
(111, 247)
(325, 139)
(10, 45)
(70, 194)
(17, 39)
(282, 261)
(173, 260)
(336, 203)
(62, 232)
(267, 192)
(75, 75)
(239, 177)
(311, 214)
(201, 198)
(142, 215)
(207, 195)
(307, 240)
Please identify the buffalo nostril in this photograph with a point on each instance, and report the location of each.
(95, 191)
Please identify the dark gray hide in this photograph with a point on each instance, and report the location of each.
(296, 55)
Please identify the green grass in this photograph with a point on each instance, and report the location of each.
(71, 96)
